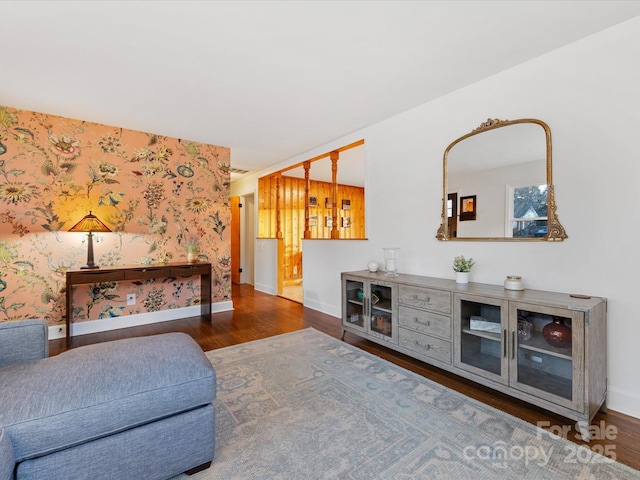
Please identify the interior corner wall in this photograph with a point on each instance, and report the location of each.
(153, 192)
(588, 94)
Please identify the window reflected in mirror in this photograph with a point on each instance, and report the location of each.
(528, 212)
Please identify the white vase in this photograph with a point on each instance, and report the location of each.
(192, 257)
(462, 277)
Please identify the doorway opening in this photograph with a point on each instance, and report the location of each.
(242, 239)
(320, 198)
(452, 214)
(293, 291)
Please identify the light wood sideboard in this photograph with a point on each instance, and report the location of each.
(473, 331)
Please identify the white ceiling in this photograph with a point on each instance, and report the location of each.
(269, 79)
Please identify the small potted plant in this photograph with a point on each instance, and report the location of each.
(193, 249)
(462, 267)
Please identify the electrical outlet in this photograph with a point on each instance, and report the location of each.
(131, 299)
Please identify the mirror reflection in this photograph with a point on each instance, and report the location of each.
(498, 186)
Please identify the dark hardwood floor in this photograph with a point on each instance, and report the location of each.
(257, 315)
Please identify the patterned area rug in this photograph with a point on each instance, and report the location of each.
(304, 405)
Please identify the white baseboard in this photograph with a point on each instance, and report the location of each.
(313, 304)
(265, 289)
(323, 307)
(125, 321)
(623, 402)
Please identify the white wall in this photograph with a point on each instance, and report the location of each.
(589, 94)
(265, 262)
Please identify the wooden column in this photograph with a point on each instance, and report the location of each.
(335, 233)
(278, 224)
(307, 190)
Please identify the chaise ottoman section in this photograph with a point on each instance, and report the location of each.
(151, 452)
(96, 391)
(6, 457)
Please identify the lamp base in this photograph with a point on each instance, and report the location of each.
(90, 263)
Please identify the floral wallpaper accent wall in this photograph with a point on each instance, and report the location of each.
(158, 195)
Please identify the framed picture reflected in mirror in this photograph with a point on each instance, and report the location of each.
(468, 208)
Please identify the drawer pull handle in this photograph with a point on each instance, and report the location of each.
(426, 347)
(417, 297)
(426, 324)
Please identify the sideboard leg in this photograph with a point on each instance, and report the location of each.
(584, 428)
(603, 407)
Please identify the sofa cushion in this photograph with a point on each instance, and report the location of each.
(97, 390)
(6, 457)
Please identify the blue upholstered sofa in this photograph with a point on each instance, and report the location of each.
(139, 408)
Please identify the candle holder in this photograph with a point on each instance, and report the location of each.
(391, 261)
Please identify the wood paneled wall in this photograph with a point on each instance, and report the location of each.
(291, 196)
(267, 207)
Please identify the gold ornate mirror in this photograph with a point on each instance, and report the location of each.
(497, 184)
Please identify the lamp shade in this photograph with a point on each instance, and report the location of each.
(90, 223)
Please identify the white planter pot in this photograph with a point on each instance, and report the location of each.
(462, 277)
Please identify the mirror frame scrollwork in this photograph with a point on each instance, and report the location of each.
(555, 231)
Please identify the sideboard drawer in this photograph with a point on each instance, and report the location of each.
(436, 300)
(425, 345)
(94, 276)
(145, 273)
(424, 322)
(188, 270)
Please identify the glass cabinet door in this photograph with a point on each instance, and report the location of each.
(547, 355)
(382, 323)
(481, 336)
(369, 307)
(354, 311)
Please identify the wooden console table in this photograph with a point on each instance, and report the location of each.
(141, 272)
